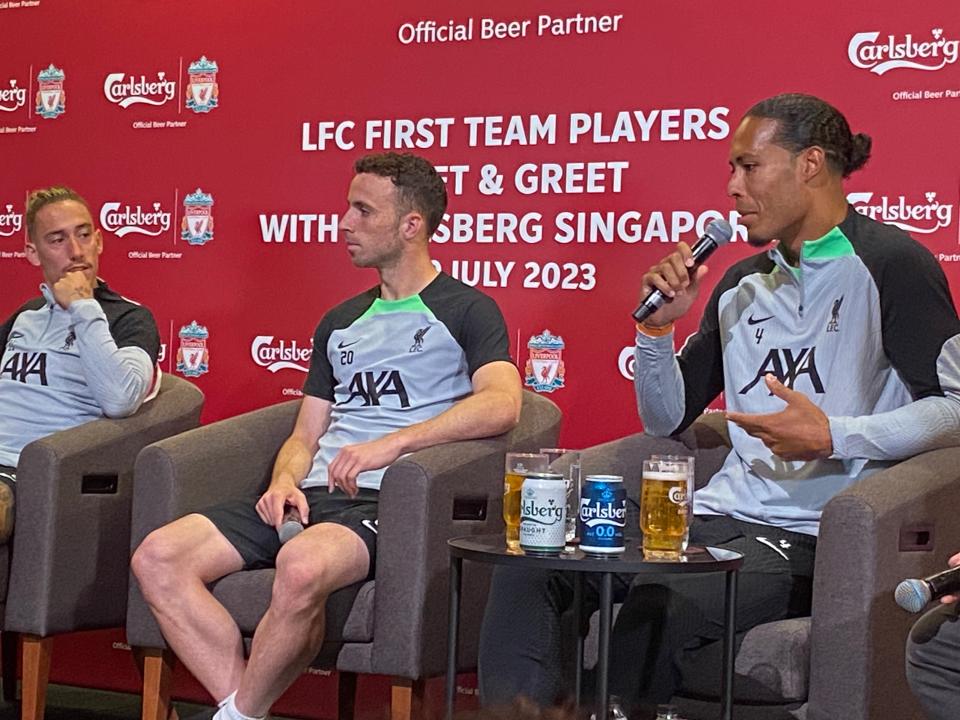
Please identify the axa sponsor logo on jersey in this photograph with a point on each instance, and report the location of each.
(12, 96)
(789, 366)
(275, 355)
(126, 90)
(373, 387)
(11, 222)
(870, 51)
(926, 216)
(124, 219)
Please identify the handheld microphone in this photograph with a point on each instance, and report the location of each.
(290, 527)
(717, 233)
(912, 595)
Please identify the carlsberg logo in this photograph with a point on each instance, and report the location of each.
(123, 219)
(280, 355)
(13, 97)
(923, 217)
(598, 513)
(126, 91)
(891, 53)
(10, 222)
(530, 509)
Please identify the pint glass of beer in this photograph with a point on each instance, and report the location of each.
(691, 484)
(663, 508)
(517, 466)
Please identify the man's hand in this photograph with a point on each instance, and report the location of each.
(952, 562)
(672, 277)
(801, 431)
(282, 492)
(354, 459)
(72, 286)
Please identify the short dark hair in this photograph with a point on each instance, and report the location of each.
(419, 187)
(39, 199)
(805, 120)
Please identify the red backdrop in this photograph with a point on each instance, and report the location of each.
(545, 115)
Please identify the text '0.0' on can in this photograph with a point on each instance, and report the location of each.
(543, 508)
(603, 514)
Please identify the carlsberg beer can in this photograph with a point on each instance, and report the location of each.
(543, 505)
(603, 514)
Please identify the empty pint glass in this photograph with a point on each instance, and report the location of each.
(572, 480)
(663, 508)
(517, 466)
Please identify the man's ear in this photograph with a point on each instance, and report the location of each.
(32, 255)
(812, 163)
(411, 225)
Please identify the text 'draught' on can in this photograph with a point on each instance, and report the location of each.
(603, 514)
(542, 513)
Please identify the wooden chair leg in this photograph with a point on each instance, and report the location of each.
(9, 648)
(36, 671)
(346, 694)
(157, 679)
(406, 698)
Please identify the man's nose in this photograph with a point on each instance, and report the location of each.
(76, 248)
(734, 185)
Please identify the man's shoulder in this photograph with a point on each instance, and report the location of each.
(880, 245)
(448, 293)
(116, 306)
(348, 311)
(758, 264)
(36, 303)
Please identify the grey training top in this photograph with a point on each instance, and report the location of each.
(865, 327)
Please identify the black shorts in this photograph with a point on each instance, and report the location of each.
(258, 543)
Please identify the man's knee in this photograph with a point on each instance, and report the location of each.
(308, 571)
(177, 552)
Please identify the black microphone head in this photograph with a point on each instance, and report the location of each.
(719, 231)
(912, 595)
(289, 530)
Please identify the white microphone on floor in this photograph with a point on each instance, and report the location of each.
(290, 527)
(913, 594)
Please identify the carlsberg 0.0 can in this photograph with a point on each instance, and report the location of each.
(603, 514)
(543, 504)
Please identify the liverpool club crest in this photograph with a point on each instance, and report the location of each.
(197, 224)
(544, 370)
(202, 89)
(51, 99)
(193, 358)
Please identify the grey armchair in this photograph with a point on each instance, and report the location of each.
(393, 625)
(67, 564)
(845, 661)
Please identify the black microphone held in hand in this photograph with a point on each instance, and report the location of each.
(913, 594)
(291, 525)
(718, 233)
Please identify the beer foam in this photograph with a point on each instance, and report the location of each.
(665, 476)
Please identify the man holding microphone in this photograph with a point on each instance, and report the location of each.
(827, 376)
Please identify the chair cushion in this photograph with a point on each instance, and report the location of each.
(246, 596)
(772, 665)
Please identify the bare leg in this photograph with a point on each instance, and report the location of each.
(321, 559)
(173, 566)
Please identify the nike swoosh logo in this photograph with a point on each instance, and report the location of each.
(755, 321)
(342, 345)
(371, 526)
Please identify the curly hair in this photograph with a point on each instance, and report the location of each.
(419, 187)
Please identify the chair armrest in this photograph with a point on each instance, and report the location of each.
(70, 549)
(417, 502)
(427, 498)
(225, 460)
(858, 632)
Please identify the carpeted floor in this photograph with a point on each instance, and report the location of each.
(71, 703)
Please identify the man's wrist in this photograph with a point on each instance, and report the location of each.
(654, 331)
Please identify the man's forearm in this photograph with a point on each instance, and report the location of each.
(482, 414)
(293, 463)
(118, 378)
(922, 425)
(658, 384)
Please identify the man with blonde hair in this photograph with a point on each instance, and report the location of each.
(79, 351)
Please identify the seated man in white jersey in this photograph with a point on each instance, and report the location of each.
(826, 376)
(418, 360)
(78, 352)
